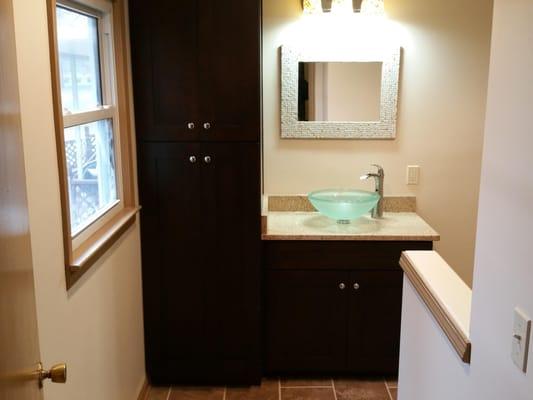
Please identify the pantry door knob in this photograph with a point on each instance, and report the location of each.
(192, 159)
(342, 286)
(191, 126)
(356, 286)
(207, 159)
(56, 374)
(207, 126)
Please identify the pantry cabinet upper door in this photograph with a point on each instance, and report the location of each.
(230, 42)
(166, 73)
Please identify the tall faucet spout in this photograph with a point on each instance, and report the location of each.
(379, 177)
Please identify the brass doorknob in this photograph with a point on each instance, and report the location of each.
(57, 374)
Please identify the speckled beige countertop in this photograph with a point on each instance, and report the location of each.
(297, 225)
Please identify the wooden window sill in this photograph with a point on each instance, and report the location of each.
(98, 243)
(447, 297)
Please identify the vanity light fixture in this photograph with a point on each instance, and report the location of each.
(364, 7)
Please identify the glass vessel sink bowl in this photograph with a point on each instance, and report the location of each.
(343, 205)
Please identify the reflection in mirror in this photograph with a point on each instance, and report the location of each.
(339, 91)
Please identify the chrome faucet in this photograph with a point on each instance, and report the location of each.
(377, 211)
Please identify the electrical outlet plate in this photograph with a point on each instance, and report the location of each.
(521, 339)
(413, 174)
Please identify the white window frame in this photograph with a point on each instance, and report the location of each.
(102, 10)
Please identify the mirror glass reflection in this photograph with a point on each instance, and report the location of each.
(339, 91)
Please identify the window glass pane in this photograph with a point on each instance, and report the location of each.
(91, 171)
(79, 61)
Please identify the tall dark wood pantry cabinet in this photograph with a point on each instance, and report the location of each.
(196, 76)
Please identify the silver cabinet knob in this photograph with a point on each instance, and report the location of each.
(207, 126)
(356, 286)
(207, 159)
(190, 125)
(342, 286)
(192, 159)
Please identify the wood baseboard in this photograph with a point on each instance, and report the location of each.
(143, 394)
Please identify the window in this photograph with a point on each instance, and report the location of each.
(93, 128)
(89, 114)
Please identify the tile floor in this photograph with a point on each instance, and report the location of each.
(287, 389)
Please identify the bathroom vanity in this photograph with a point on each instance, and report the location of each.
(331, 293)
(334, 292)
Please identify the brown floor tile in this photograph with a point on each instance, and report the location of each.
(269, 390)
(355, 389)
(196, 393)
(307, 394)
(158, 393)
(394, 394)
(305, 382)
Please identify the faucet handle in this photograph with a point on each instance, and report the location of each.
(380, 169)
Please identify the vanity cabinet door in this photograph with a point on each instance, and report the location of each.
(306, 319)
(165, 66)
(374, 321)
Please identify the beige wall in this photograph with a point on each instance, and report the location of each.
(441, 113)
(96, 328)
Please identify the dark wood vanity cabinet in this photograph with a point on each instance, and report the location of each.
(333, 307)
(196, 81)
(196, 69)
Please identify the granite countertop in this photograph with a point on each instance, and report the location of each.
(394, 226)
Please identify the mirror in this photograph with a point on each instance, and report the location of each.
(339, 91)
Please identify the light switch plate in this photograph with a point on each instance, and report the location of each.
(413, 174)
(521, 338)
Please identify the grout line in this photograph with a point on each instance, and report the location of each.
(394, 386)
(333, 387)
(168, 394)
(388, 389)
(279, 388)
(306, 387)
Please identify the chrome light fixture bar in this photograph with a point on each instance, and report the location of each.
(367, 7)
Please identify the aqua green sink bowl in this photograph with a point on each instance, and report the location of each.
(343, 205)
